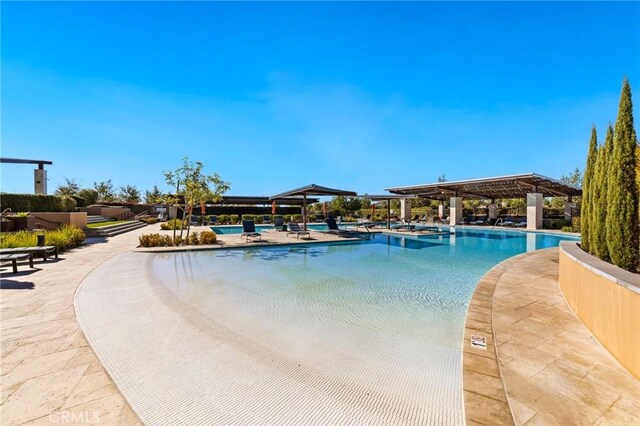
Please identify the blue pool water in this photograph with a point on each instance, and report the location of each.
(385, 315)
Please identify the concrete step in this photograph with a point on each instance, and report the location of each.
(96, 219)
(113, 230)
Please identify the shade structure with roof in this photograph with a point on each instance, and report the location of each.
(387, 198)
(312, 189)
(532, 186)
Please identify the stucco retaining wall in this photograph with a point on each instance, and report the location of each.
(607, 300)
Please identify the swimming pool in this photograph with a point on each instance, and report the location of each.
(369, 330)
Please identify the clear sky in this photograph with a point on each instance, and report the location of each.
(276, 95)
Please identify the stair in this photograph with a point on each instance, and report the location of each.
(113, 230)
(96, 219)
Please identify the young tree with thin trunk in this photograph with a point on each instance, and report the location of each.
(195, 187)
(587, 184)
(623, 229)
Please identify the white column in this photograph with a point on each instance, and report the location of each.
(405, 209)
(455, 210)
(568, 209)
(534, 211)
(40, 181)
(441, 210)
(492, 211)
(531, 241)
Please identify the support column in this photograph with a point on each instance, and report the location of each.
(569, 207)
(405, 209)
(534, 210)
(40, 181)
(441, 210)
(455, 210)
(492, 211)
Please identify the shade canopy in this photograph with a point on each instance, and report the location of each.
(249, 200)
(499, 187)
(314, 189)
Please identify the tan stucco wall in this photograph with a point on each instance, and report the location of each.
(112, 211)
(78, 219)
(606, 299)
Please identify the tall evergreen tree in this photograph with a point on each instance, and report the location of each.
(599, 199)
(587, 183)
(623, 228)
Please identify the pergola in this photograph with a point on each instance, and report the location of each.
(312, 189)
(511, 186)
(531, 186)
(387, 198)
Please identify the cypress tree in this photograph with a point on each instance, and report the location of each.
(585, 225)
(623, 229)
(599, 199)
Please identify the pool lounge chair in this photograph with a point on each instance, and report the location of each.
(278, 224)
(249, 230)
(335, 230)
(521, 224)
(266, 218)
(294, 228)
(507, 221)
(213, 219)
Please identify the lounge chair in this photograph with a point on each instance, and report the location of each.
(278, 224)
(249, 230)
(194, 220)
(508, 221)
(14, 258)
(521, 224)
(213, 219)
(477, 221)
(335, 230)
(266, 218)
(294, 228)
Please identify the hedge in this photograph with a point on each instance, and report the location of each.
(31, 203)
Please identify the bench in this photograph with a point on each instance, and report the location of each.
(38, 250)
(14, 258)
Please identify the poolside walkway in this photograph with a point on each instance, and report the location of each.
(48, 372)
(544, 362)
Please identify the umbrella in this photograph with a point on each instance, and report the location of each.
(273, 207)
(203, 208)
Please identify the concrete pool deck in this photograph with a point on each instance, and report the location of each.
(49, 371)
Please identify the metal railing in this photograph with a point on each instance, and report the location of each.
(497, 222)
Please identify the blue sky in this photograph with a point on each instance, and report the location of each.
(275, 95)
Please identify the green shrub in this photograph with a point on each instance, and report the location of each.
(64, 238)
(194, 239)
(296, 218)
(223, 219)
(31, 203)
(150, 240)
(68, 203)
(173, 224)
(208, 237)
(234, 219)
(150, 220)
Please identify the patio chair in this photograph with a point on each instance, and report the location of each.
(278, 224)
(213, 219)
(249, 230)
(266, 218)
(194, 220)
(294, 228)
